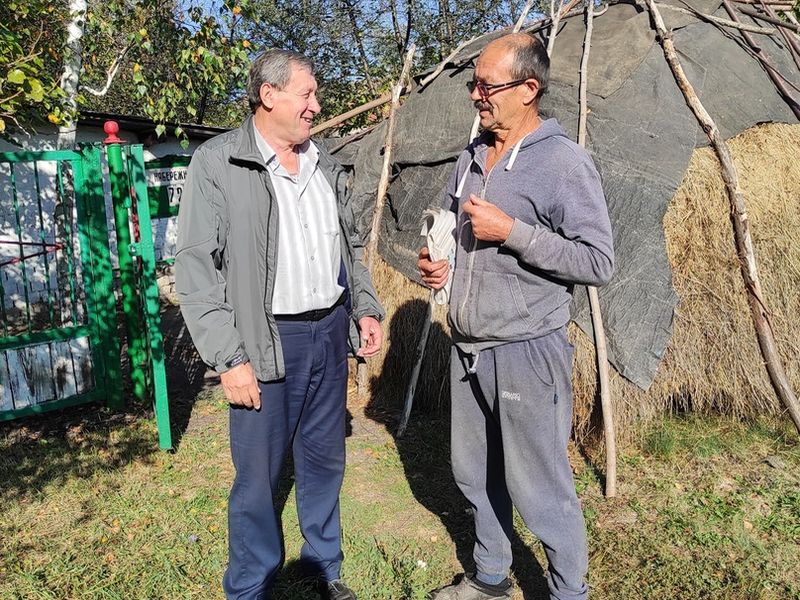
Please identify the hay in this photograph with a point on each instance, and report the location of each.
(406, 305)
(713, 363)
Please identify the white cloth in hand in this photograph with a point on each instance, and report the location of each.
(439, 229)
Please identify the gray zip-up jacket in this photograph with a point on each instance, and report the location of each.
(227, 253)
(561, 236)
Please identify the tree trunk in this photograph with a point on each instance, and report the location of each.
(777, 78)
(73, 62)
(409, 21)
(447, 24)
(356, 31)
(64, 206)
(398, 37)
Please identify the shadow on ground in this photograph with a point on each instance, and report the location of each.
(74, 443)
(425, 448)
(79, 441)
(188, 377)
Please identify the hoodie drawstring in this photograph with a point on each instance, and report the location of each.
(460, 188)
(514, 153)
(474, 362)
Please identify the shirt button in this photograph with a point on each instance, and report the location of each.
(306, 225)
(314, 290)
(312, 258)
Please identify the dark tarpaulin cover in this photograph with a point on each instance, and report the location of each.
(641, 135)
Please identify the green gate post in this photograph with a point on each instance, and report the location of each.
(121, 199)
(145, 250)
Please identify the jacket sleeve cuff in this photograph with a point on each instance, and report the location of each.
(239, 357)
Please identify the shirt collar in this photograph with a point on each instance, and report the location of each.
(307, 152)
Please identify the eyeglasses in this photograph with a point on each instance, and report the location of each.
(487, 89)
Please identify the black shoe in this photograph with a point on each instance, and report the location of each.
(335, 590)
(470, 588)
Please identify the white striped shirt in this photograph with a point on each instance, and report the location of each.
(309, 250)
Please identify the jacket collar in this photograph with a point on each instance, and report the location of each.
(245, 149)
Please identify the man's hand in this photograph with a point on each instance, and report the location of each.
(489, 223)
(371, 336)
(434, 273)
(241, 387)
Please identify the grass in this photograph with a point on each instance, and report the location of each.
(708, 508)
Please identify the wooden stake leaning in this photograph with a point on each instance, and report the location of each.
(757, 15)
(383, 186)
(386, 171)
(741, 225)
(776, 76)
(338, 120)
(788, 37)
(719, 20)
(411, 390)
(523, 15)
(594, 298)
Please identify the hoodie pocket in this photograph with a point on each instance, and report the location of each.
(491, 307)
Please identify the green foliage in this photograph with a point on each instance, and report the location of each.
(187, 60)
(28, 46)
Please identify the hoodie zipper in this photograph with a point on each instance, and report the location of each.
(472, 255)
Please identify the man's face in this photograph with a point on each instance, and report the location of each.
(500, 109)
(294, 107)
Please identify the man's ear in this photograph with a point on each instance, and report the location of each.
(267, 93)
(532, 89)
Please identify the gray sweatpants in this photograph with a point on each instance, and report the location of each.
(510, 424)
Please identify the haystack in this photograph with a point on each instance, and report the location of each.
(712, 363)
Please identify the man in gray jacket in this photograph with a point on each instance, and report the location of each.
(531, 223)
(274, 293)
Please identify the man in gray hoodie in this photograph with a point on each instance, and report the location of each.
(532, 222)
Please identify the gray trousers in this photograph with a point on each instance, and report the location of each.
(510, 423)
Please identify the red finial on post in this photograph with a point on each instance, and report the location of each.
(112, 128)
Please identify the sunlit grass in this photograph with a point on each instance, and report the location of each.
(708, 508)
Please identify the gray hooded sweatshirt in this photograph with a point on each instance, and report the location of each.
(521, 289)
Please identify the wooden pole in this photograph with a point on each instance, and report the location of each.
(719, 20)
(523, 15)
(773, 2)
(757, 15)
(334, 121)
(741, 225)
(788, 37)
(386, 171)
(777, 78)
(594, 298)
(411, 390)
(440, 67)
(383, 186)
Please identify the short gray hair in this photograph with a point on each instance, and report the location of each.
(530, 59)
(275, 68)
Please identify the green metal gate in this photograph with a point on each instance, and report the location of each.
(146, 346)
(59, 343)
